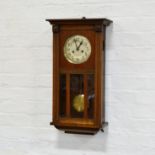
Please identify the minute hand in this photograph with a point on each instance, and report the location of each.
(79, 45)
(75, 44)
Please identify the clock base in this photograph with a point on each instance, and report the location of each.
(81, 130)
(84, 133)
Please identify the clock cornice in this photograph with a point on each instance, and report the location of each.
(84, 21)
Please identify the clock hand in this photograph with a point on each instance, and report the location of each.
(75, 44)
(80, 45)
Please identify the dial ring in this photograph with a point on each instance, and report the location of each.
(77, 49)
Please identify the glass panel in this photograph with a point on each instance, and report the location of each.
(91, 95)
(77, 95)
(62, 105)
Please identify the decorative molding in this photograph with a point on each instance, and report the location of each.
(98, 28)
(56, 28)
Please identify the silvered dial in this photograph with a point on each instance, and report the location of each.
(77, 49)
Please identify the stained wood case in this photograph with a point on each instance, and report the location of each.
(78, 89)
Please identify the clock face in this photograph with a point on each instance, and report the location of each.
(77, 49)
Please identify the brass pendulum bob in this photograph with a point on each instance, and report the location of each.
(78, 103)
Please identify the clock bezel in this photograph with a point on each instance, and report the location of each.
(74, 59)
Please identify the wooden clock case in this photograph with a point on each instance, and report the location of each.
(93, 29)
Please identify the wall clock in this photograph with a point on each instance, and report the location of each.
(78, 74)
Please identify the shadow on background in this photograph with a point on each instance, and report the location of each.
(97, 142)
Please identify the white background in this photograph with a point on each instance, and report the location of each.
(26, 72)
